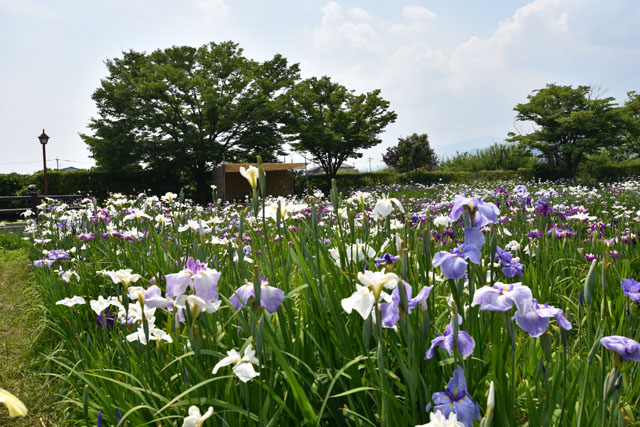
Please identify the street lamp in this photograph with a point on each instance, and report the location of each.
(44, 138)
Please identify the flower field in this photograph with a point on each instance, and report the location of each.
(495, 304)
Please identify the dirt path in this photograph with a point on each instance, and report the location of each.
(20, 321)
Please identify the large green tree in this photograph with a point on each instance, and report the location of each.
(183, 110)
(412, 152)
(631, 115)
(332, 123)
(568, 124)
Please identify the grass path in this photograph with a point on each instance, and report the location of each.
(20, 321)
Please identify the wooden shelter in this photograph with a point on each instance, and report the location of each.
(233, 186)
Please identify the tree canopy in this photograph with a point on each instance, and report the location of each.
(412, 152)
(332, 123)
(182, 110)
(569, 124)
(631, 116)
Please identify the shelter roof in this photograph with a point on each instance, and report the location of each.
(235, 167)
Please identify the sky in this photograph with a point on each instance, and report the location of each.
(451, 69)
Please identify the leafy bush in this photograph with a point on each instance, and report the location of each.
(495, 157)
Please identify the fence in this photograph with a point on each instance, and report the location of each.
(32, 200)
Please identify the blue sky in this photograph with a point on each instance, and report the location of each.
(452, 69)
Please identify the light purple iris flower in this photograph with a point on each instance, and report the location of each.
(43, 262)
(466, 343)
(481, 212)
(270, 297)
(453, 263)
(391, 310)
(473, 237)
(198, 277)
(153, 298)
(456, 399)
(502, 296)
(535, 321)
(631, 289)
(625, 347)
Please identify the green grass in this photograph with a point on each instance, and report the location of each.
(20, 340)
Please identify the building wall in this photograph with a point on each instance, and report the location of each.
(279, 183)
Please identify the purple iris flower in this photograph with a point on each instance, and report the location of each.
(513, 270)
(536, 234)
(511, 266)
(466, 343)
(535, 321)
(503, 255)
(453, 264)
(391, 310)
(625, 347)
(270, 297)
(386, 259)
(631, 289)
(482, 213)
(456, 399)
(543, 208)
(58, 254)
(502, 296)
(501, 190)
(197, 276)
(86, 237)
(106, 319)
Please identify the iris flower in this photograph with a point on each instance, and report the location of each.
(384, 206)
(196, 276)
(270, 297)
(70, 302)
(121, 276)
(456, 399)
(436, 419)
(195, 419)
(453, 264)
(631, 289)
(625, 347)
(376, 280)
(466, 343)
(391, 310)
(14, 405)
(243, 365)
(481, 213)
(251, 175)
(362, 301)
(535, 321)
(502, 296)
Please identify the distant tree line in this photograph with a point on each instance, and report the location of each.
(567, 126)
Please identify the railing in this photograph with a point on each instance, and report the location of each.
(32, 200)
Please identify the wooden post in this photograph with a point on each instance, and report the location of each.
(34, 200)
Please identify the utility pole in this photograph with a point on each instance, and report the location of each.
(370, 158)
(57, 164)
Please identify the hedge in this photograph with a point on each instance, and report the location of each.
(99, 183)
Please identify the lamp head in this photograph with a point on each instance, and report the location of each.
(44, 138)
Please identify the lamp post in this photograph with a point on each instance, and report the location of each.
(44, 138)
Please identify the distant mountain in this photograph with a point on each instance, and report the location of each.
(470, 145)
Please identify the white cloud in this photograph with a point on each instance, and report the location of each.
(213, 11)
(358, 14)
(531, 39)
(336, 29)
(418, 13)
